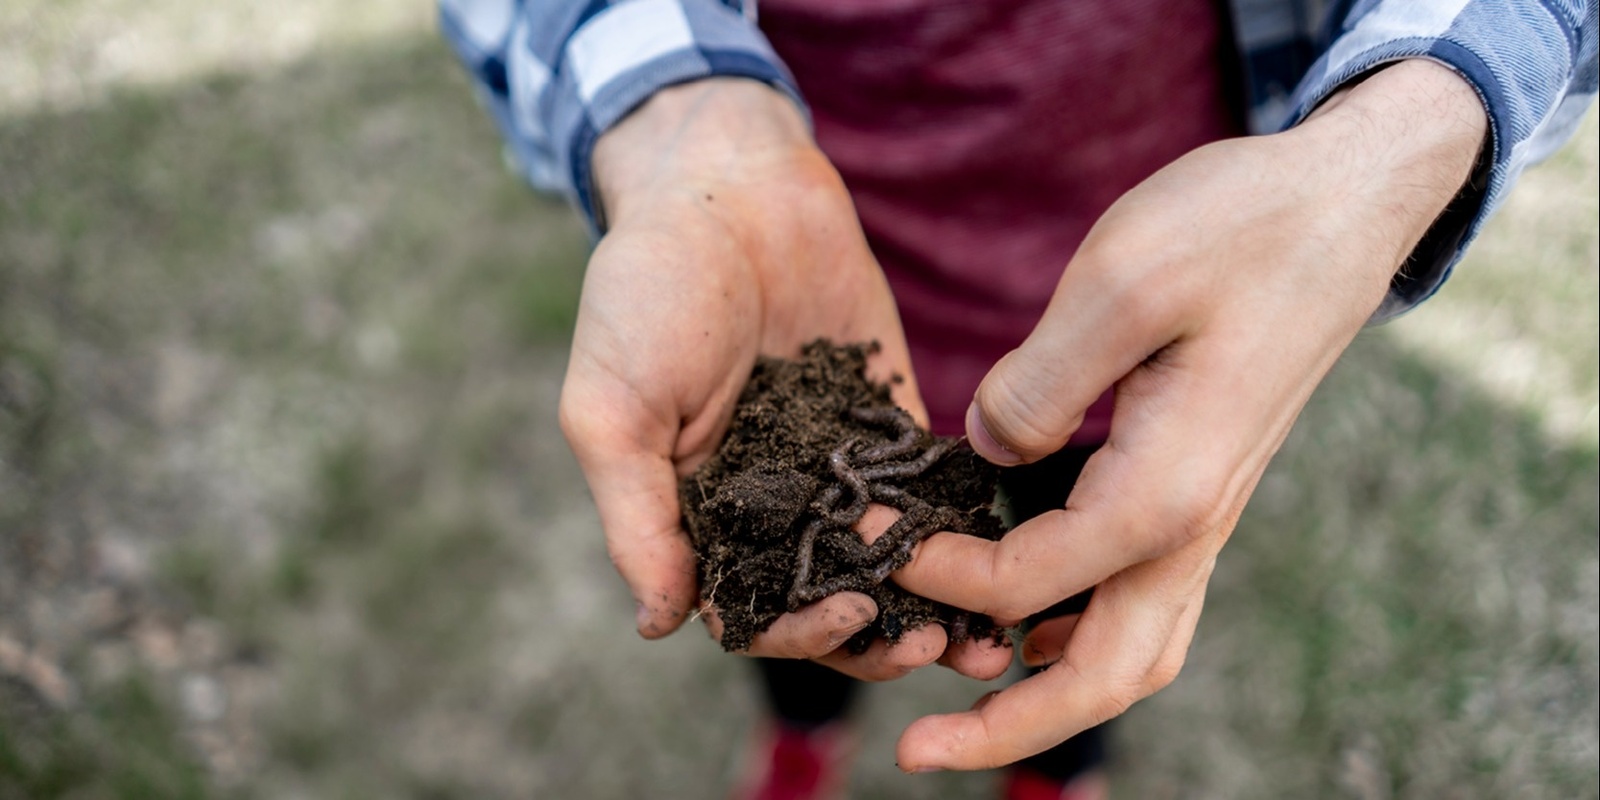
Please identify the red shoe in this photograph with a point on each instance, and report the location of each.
(1025, 784)
(797, 763)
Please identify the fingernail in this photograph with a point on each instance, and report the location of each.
(641, 615)
(984, 443)
(838, 637)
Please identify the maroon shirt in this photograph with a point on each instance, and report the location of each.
(981, 140)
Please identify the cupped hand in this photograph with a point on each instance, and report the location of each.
(730, 236)
(1215, 296)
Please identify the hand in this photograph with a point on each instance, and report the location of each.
(1215, 296)
(730, 236)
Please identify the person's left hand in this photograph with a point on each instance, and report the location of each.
(1215, 296)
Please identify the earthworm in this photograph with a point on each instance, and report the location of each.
(905, 429)
(906, 470)
(864, 477)
(860, 494)
(893, 496)
(802, 569)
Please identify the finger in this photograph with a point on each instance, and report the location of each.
(885, 662)
(1177, 466)
(625, 456)
(880, 662)
(1120, 652)
(811, 632)
(1048, 640)
(1104, 528)
(1102, 322)
(875, 522)
(982, 659)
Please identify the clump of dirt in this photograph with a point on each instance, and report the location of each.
(812, 442)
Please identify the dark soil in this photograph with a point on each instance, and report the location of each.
(810, 443)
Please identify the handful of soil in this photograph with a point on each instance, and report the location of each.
(812, 442)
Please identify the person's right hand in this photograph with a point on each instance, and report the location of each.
(729, 235)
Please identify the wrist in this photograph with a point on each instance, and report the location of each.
(695, 137)
(1399, 146)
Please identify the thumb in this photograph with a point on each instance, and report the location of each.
(1091, 336)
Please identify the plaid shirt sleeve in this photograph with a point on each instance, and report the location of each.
(555, 74)
(1532, 63)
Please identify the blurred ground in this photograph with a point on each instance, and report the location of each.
(284, 511)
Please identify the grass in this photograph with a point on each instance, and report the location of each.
(123, 745)
(274, 320)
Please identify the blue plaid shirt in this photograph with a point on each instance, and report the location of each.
(555, 74)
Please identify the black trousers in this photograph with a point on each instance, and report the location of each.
(806, 694)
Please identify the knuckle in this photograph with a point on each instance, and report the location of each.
(1107, 698)
(1004, 580)
(1012, 609)
(620, 558)
(810, 647)
(1110, 702)
(782, 646)
(1126, 267)
(996, 746)
(870, 666)
(910, 654)
(1163, 674)
(1019, 585)
(600, 412)
(578, 427)
(808, 643)
(1193, 508)
(1132, 298)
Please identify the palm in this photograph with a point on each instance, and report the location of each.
(677, 305)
